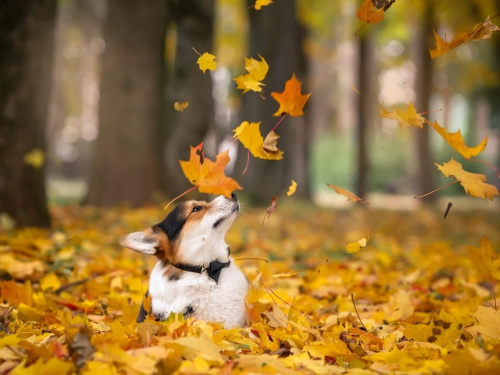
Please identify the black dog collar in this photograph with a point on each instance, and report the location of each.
(214, 268)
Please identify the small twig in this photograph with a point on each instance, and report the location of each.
(195, 51)
(432, 192)
(74, 283)
(357, 313)
(447, 209)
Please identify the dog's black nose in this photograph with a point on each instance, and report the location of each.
(234, 197)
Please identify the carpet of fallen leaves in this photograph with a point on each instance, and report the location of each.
(70, 297)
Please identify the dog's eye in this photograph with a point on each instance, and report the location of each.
(197, 208)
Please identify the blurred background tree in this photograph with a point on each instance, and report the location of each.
(26, 41)
(131, 102)
(118, 67)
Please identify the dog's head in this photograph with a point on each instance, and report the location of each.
(192, 233)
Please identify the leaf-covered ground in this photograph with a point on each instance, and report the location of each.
(70, 297)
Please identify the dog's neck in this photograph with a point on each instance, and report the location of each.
(206, 253)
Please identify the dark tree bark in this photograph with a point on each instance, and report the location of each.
(364, 67)
(127, 159)
(194, 20)
(422, 39)
(277, 36)
(26, 45)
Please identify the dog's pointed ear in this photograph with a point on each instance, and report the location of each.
(145, 242)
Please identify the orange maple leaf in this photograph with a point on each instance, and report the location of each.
(346, 193)
(482, 30)
(207, 175)
(456, 141)
(368, 13)
(291, 101)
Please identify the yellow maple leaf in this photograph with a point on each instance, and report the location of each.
(50, 282)
(207, 175)
(292, 188)
(247, 83)
(206, 61)
(261, 3)
(482, 30)
(249, 135)
(291, 100)
(180, 106)
(350, 196)
(456, 141)
(489, 323)
(354, 247)
(482, 258)
(474, 183)
(35, 158)
(257, 71)
(368, 13)
(330, 348)
(407, 117)
(251, 85)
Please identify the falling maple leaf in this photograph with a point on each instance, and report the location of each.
(207, 175)
(354, 247)
(261, 3)
(482, 30)
(368, 13)
(249, 135)
(257, 71)
(291, 101)
(292, 188)
(407, 117)
(350, 196)
(456, 141)
(474, 183)
(35, 158)
(271, 208)
(206, 61)
(482, 258)
(180, 106)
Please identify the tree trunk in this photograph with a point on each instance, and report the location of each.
(364, 87)
(276, 26)
(194, 20)
(422, 39)
(127, 158)
(26, 42)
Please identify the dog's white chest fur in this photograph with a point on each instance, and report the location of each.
(200, 296)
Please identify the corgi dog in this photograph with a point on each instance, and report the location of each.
(195, 274)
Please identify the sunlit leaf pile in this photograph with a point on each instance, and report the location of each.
(71, 297)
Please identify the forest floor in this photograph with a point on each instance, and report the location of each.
(71, 296)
